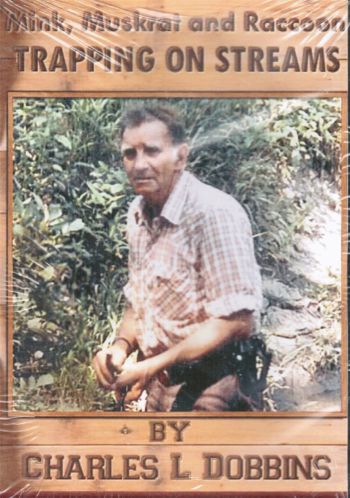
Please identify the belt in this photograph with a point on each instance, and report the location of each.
(236, 357)
(233, 357)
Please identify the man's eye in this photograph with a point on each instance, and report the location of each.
(152, 151)
(129, 154)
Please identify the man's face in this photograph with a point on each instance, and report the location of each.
(152, 162)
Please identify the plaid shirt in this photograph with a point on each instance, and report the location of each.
(196, 261)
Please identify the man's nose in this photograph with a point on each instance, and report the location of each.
(140, 162)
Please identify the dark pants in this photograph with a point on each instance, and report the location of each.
(223, 396)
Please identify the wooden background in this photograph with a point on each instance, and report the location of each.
(66, 434)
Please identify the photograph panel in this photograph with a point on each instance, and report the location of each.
(279, 158)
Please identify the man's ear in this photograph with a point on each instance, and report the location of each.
(182, 151)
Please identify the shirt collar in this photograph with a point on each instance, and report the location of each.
(172, 209)
(174, 205)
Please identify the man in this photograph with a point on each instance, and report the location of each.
(194, 285)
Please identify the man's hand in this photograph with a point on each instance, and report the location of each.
(136, 376)
(109, 362)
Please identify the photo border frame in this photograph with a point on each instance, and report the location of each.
(155, 94)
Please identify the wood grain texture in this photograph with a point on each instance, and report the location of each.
(129, 474)
(277, 434)
(344, 249)
(3, 182)
(73, 431)
(3, 321)
(184, 79)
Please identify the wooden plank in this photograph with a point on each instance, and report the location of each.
(134, 431)
(218, 71)
(3, 317)
(3, 182)
(169, 94)
(3, 113)
(3, 263)
(344, 249)
(174, 468)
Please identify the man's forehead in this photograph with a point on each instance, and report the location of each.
(147, 132)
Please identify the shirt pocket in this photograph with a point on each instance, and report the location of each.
(171, 293)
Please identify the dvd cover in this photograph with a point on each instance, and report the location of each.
(173, 214)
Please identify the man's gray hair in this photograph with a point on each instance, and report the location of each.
(136, 116)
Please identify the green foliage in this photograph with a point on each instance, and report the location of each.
(70, 198)
(69, 216)
(252, 148)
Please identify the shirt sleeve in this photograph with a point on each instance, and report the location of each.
(231, 275)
